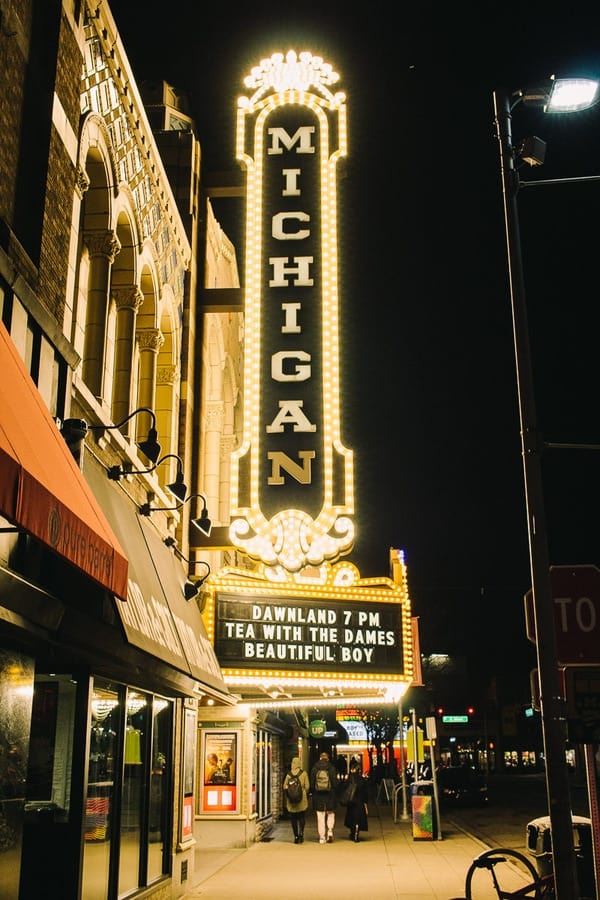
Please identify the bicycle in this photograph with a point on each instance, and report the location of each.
(506, 874)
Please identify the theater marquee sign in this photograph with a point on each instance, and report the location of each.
(291, 631)
(302, 615)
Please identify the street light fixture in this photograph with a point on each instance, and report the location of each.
(561, 95)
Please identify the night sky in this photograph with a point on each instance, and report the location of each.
(429, 401)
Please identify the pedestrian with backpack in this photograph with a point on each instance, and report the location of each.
(323, 783)
(296, 786)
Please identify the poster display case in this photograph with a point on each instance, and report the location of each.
(219, 771)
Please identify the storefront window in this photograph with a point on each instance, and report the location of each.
(132, 793)
(528, 758)
(130, 755)
(159, 806)
(51, 743)
(186, 821)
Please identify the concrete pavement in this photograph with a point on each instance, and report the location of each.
(387, 864)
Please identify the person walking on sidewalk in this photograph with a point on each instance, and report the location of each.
(357, 810)
(323, 781)
(296, 807)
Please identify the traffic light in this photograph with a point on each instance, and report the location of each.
(470, 710)
(439, 711)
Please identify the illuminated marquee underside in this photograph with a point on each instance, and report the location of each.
(292, 478)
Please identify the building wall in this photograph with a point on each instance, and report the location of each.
(100, 259)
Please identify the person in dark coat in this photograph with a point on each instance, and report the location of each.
(357, 812)
(324, 802)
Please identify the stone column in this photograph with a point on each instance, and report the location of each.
(150, 340)
(103, 247)
(127, 301)
(167, 406)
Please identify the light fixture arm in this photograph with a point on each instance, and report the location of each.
(135, 412)
(543, 182)
(115, 473)
(203, 523)
(552, 703)
(171, 542)
(190, 588)
(150, 447)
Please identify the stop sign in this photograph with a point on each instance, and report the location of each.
(576, 598)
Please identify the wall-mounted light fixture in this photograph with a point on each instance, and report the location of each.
(177, 487)
(150, 447)
(75, 430)
(190, 588)
(203, 523)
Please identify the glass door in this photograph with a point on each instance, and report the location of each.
(99, 812)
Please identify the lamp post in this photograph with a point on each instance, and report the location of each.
(551, 699)
(402, 761)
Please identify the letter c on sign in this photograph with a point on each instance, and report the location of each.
(278, 231)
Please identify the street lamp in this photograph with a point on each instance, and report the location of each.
(561, 95)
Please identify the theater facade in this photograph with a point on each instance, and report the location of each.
(297, 631)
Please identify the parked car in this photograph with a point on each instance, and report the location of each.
(461, 786)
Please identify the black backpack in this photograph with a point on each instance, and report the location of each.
(293, 788)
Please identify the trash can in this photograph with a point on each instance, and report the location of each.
(539, 845)
(421, 802)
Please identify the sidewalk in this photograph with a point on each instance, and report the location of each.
(387, 864)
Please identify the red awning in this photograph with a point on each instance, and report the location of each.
(42, 490)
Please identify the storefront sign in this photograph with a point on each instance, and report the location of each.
(316, 728)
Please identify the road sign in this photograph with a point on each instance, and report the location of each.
(412, 745)
(576, 596)
(583, 704)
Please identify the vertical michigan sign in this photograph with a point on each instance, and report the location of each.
(292, 481)
(300, 618)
